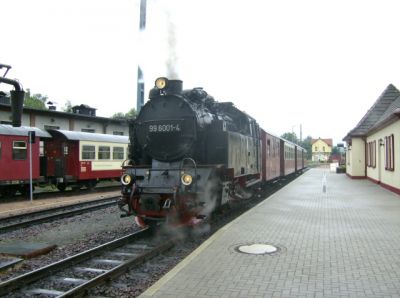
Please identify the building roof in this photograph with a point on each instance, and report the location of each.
(87, 136)
(394, 106)
(329, 142)
(6, 129)
(67, 115)
(379, 111)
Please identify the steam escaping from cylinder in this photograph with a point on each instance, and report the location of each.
(210, 197)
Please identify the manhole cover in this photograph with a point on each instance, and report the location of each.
(257, 249)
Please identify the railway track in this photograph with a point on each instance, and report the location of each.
(77, 274)
(19, 221)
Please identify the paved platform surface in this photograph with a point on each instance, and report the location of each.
(337, 237)
(25, 206)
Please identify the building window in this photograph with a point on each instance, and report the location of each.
(315, 148)
(389, 150)
(51, 127)
(88, 130)
(19, 150)
(371, 154)
(118, 153)
(118, 133)
(88, 152)
(104, 152)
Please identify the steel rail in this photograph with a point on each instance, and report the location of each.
(18, 282)
(82, 289)
(46, 218)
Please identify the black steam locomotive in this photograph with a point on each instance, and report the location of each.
(188, 155)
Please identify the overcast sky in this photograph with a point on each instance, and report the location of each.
(318, 63)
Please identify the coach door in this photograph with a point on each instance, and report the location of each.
(60, 161)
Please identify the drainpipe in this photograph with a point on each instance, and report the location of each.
(365, 156)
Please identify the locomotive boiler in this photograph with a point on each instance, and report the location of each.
(189, 154)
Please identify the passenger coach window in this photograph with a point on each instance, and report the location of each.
(41, 148)
(104, 152)
(118, 153)
(19, 150)
(88, 152)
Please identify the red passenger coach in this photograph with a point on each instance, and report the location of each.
(14, 158)
(300, 155)
(271, 160)
(288, 158)
(82, 159)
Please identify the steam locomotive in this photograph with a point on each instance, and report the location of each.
(190, 154)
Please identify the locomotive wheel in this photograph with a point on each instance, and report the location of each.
(61, 186)
(142, 222)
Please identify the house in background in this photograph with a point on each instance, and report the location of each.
(321, 149)
(374, 144)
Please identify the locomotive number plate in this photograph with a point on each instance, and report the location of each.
(164, 128)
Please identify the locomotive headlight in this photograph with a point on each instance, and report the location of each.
(126, 179)
(186, 179)
(161, 83)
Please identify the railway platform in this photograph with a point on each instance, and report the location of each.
(323, 235)
(25, 206)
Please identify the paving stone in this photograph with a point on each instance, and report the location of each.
(341, 243)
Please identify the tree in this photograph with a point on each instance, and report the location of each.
(67, 107)
(36, 101)
(335, 150)
(290, 136)
(127, 116)
(306, 144)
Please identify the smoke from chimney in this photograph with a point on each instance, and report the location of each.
(172, 58)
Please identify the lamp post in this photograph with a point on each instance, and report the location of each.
(31, 138)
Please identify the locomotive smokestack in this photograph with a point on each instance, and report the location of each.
(163, 86)
(174, 86)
